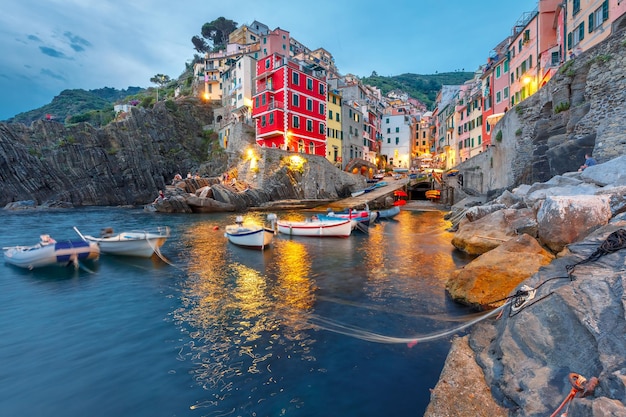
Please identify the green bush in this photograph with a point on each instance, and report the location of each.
(562, 106)
(499, 136)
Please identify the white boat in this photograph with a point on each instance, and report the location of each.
(50, 252)
(132, 243)
(361, 216)
(251, 235)
(316, 228)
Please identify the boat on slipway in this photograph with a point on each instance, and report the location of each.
(140, 243)
(316, 227)
(252, 236)
(49, 252)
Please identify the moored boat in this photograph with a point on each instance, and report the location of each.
(389, 213)
(251, 235)
(316, 228)
(141, 243)
(50, 252)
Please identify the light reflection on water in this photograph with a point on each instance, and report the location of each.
(246, 312)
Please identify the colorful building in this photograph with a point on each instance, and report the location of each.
(334, 132)
(289, 106)
(589, 22)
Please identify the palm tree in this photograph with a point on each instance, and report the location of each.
(160, 80)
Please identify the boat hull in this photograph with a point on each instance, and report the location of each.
(320, 228)
(249, 236)
(134, 243)
(389, 213)
(59, 253)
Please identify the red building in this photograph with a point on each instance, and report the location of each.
(289, 105)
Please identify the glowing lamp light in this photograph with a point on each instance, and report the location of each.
(526, 80)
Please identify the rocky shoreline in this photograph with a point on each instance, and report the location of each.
(555, 250)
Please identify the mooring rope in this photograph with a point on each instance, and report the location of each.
(614, 242)
(359, 333)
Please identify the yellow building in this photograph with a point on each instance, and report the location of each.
(334, 134)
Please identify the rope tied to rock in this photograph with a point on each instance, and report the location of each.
(614, 242)
(581, 387)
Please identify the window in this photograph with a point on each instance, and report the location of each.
(267, 63)
(337, 117)
(321, 108)
(576, 7)
(397, 141)
(506, 92)
(322, 92)
(322, 129)
(309, 125)
(506, 66)
(296, 100)
(263, 120)
(388, 130)
(311, 147)
(526, 36)
(397, 129)
(256, 102)
(309, 84)
(389, 140)
(498, 71)
(599, 16)
(295, 78)
(309, 104)
(296, 122)
(330, 114)
(263, 100)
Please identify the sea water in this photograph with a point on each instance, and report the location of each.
(217, 330)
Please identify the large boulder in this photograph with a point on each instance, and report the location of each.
(485, 282)
(573, 324)
(490, 231)
(566, 219)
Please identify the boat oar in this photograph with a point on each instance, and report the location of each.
(79, 234)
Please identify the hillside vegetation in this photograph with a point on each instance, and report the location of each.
(96, 106)
(78, 103)
(422, 87)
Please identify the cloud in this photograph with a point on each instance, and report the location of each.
(33, 38)
(53, 53)
(49, 73)
(77, 43)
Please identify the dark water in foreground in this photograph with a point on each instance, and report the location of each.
(225, 331)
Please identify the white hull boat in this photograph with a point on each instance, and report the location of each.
(138, 243)
(316, 228)
(250, 235)
(48, 253)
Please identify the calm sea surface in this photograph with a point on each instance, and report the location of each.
(222, 330)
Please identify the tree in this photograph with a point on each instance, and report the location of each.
(199, 44)
(217, 31)
(160, 80)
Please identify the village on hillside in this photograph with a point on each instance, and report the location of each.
(296, 98)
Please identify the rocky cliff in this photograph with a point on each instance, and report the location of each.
(128, 161)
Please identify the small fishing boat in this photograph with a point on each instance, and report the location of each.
(50, 252)
(361, 216)
(251, 235)
(389, 213)
(316, 227)
(139, 243)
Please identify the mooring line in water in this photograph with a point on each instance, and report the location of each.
(437, 316)
(359, 333)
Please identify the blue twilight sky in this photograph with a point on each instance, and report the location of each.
(52, 45)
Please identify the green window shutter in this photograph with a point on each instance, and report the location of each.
(569, 40)
(605, 10)
(591, 23)
(581, 31)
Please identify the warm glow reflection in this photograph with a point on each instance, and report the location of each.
(526, 80)
(237, 311)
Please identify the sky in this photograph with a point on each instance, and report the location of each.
(53, 45)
